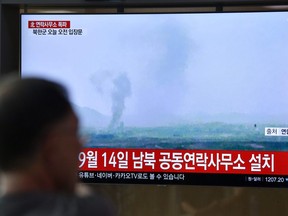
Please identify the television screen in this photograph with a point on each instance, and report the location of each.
(182, 98)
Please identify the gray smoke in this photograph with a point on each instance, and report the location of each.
(121, 90)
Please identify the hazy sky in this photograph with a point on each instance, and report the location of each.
(177, 65)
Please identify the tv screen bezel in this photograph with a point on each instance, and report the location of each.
(193, 178)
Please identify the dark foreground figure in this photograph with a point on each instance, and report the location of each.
(39, 147)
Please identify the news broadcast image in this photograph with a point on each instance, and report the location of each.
(170, 98)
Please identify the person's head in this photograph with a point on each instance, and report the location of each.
(38, 130)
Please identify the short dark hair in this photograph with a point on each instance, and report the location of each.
(28, 107)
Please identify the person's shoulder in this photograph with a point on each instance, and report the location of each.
(56, 205)
(94, 205)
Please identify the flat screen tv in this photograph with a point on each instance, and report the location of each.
(182, 98)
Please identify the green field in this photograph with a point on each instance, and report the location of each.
(193, 136)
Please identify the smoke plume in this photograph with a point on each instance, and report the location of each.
(121, 90)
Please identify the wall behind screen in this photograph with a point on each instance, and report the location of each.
(142, 200)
